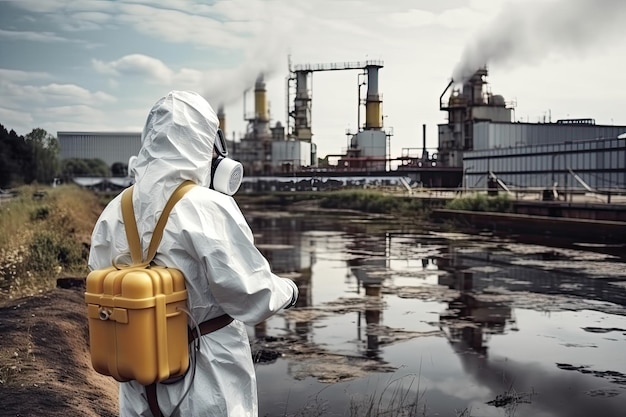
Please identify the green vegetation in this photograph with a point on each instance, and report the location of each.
(45, 235)
(34, 159)
(27, 159)
(482, 202)
(371, 202)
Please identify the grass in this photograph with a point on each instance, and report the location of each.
(45, 235)
(371, 201)
(482, 202)
(396, 399)
(400, 397)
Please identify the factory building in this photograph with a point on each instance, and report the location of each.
(368, 146)
(468, 104)
(111, 147)
(479, 146)
(595, 164)
(265, 149)
(492, 151)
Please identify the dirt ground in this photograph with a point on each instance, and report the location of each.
(45, 369)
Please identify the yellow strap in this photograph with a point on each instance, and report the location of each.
(158, 230)
(130, 224)
(132, 234)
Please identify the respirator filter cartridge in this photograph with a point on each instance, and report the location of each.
(226, 175)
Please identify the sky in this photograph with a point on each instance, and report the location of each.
(100, 65)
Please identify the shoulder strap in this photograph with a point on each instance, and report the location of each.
(130, 223)
(132, 234)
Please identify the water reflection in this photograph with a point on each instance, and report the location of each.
(469, 320)
(403, 288)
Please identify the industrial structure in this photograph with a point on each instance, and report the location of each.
(368, 146)
(268, 150)
(491, 150)
(265, 149)
(480, 146)
(467, 104)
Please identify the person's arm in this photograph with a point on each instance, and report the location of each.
(239, 276)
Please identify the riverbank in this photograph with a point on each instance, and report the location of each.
(44, 363)
(583, 217)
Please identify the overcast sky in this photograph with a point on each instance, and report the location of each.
(100, 65)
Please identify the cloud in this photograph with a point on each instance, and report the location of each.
(79, 111)
(74, 93)
(86, 21)
(44, 37)
(52, 93)
(176, 26)
(20, 76)
(412, 18)
(136, 65)
(150, 70)
(19, 120)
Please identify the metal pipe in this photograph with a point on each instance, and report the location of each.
(424, 152)
(444, 92)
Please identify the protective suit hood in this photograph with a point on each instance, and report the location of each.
(176, 144)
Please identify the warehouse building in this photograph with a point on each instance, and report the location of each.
(111, 147)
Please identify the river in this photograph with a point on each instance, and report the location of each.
(401, 320)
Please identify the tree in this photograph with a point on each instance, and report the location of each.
(44, 151)
(14, 158)
(75, 167)
(119, 169)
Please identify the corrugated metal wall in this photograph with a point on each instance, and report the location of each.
(111, 147)
(490, 135)
(600, 163)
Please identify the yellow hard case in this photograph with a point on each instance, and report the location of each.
(137, 327)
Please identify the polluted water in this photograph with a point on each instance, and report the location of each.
(414, 322)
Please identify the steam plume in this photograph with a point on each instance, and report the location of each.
(526, 32)
(267, 54)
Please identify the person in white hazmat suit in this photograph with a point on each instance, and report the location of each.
(208, 239)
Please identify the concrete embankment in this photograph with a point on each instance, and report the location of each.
(588, 229)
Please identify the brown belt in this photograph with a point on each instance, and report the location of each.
(210, 326)
(205, 327)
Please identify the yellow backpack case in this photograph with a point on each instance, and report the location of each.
(137, 322)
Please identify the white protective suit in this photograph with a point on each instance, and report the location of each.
(208, 239)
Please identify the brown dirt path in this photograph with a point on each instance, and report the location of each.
(45, 368)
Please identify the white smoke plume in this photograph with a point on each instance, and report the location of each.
(266, 54)
(526, 32)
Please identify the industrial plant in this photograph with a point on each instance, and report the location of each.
(480, 145)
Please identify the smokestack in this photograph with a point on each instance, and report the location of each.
(373, 118)
(260, 100)
(221, 117)
(424, 151)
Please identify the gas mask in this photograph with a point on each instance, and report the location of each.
(226, 173)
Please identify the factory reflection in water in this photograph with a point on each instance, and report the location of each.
(373, 259)
(468, 321)
(374, 283)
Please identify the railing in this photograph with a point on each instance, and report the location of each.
(338, 66)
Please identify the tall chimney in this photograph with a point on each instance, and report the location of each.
(373, 118)
(424, 151)
(221, 117)
(260, 100)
